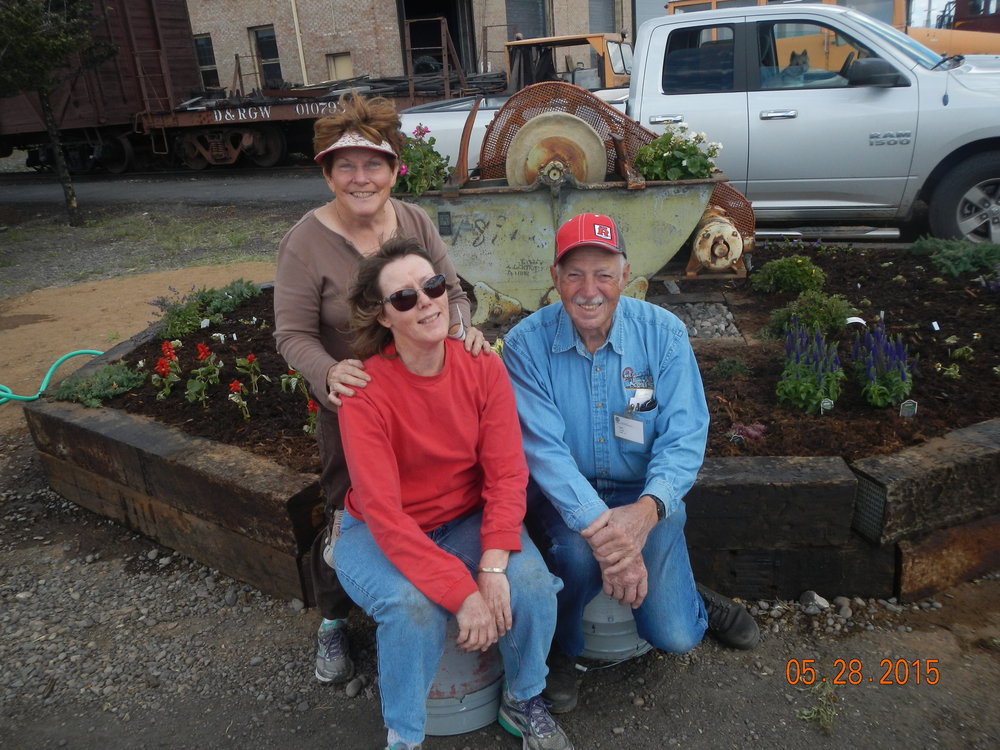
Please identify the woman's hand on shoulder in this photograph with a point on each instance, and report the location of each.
(477, 629)
(343, 377)
(475, 342)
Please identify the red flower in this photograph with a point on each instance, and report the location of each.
(236, 386)
(291, 372)
(162, 366)
(168, 351)
(312, 406)
(251, 358)
(203, 352)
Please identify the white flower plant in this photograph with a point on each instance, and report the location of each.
(678, 154)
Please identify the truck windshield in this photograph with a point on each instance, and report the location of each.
(899, 41)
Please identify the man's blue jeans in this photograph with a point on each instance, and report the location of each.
(411, 628)
(672, 617)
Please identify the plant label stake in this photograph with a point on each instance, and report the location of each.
(825, 405)
(908, 408)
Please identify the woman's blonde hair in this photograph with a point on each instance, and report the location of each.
(376, 119)
(365, 299)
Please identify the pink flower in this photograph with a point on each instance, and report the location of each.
(402, 169)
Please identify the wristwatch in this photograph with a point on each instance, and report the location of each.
(661, 509)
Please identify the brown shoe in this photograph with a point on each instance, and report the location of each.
(562, 687)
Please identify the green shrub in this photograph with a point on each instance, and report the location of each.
(955, 257)
(793, 275)
(814, 310)
(812, 372)
(97, 387)
(727, 367)
(183, 315)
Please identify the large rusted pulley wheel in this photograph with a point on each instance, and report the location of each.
(559, 141)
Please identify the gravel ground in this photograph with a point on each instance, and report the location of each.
(108, 640)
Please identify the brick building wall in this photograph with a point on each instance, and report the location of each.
(365, 33)
(367, 30)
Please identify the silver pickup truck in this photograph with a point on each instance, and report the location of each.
(826, 115)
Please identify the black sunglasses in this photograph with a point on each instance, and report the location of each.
(406, 299)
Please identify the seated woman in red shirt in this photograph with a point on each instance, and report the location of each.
(433, 525)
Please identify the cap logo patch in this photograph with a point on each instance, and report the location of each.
(602, 231)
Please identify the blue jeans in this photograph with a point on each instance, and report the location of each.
(672, 617)
(411, 628)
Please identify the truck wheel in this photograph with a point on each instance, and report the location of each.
(966, 204)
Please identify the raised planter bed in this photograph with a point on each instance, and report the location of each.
(758, 527)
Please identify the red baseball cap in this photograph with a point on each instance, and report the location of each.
(589, 230)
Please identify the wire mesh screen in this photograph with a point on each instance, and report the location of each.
(737, 208)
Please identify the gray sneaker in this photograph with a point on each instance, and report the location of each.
(531, 721)
(333, 658)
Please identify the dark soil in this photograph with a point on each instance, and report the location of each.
(907, 290)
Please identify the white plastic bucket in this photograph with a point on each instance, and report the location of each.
(609, 631)
(465, 694)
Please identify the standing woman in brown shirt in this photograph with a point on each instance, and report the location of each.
(358, 149)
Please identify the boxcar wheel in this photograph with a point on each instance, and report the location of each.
(268, 146)
(115, 154)
(966, 203)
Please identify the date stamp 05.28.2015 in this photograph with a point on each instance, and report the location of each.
(853, 672)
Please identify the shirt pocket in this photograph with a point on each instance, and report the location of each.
(647, 419)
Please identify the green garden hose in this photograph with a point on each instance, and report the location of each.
(6, 395)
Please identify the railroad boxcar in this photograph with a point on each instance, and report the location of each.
(96, 110)
(146, 105)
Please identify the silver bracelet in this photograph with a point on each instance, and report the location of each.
(493, 570)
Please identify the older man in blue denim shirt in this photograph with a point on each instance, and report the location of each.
(614, 421)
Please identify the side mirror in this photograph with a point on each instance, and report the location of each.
(874, 71)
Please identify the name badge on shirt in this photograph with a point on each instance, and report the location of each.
(627, 428)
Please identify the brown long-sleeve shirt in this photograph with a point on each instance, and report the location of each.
(316, 268)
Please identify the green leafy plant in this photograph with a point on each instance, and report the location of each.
(204, 376)
(814, 310)
(727, 367)
(183, 315)
(294, 381)
(167, 369)
(97, 387)
(312, 410)
(883, 367)
(236, 391)
(794, 274)
(678, 154)
(955, 257)
(421, 167)
(248, 366)
(812, 371)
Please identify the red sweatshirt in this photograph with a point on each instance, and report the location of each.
(422, 451)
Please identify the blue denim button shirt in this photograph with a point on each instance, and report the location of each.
(567, 399)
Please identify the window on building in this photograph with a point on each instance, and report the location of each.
(265, 45)
(206, 61)
(339, 66)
